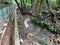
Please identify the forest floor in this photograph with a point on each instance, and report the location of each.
(39, 34)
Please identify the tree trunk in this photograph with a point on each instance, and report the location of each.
(18, 5)
(50, 10)
(21, 2)
(35, 13)
(26, 1)
(31, 3)
(24, 4)
(40, 7)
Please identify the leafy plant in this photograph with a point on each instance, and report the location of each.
(45, 25)
(42, 42)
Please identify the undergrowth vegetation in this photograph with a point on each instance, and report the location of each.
(45, 24)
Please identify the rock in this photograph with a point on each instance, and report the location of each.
(58, 40)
